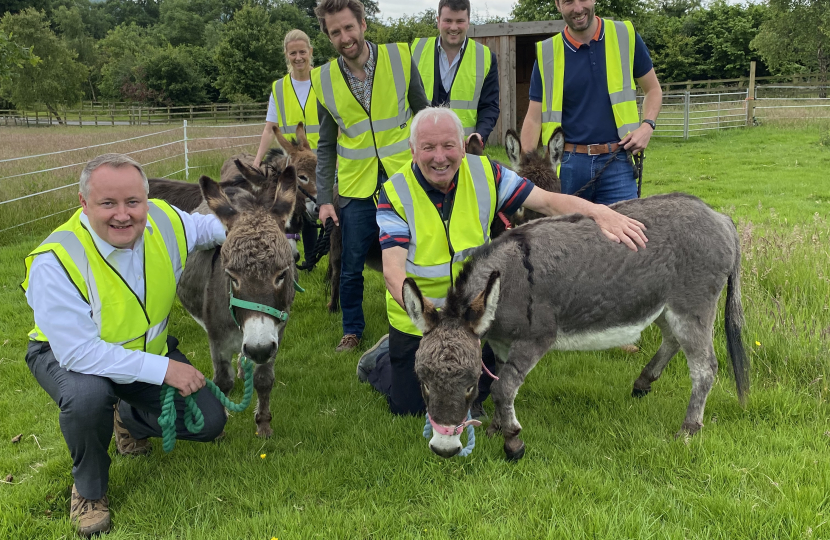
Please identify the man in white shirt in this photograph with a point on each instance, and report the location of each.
(101, 287)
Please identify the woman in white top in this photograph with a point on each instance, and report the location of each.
(292, 99)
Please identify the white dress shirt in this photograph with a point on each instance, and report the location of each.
(66, 318)
(446, 69)
(302, 88)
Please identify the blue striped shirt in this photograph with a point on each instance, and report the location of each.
(512, 190)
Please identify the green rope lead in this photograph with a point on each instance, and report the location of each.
(194, 420)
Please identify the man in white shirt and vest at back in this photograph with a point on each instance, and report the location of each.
(583, 80)
(459, 72)
(101, 287)
(367, 98)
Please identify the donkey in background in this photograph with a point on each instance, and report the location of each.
(558, 283)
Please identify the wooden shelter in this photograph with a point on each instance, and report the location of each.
(514, 45)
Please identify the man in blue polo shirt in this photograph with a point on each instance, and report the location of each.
(594, 104)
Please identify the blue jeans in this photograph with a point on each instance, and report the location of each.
(616, 184)
(359, 227)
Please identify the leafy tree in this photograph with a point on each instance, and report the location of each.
(405, 29)
(180, 24)
(121, 52)
(58, 78)
(13, 56)
(172, 74)
(250, 55)
(545, 10)
(796, 36)
(141, 12)
(72, 30)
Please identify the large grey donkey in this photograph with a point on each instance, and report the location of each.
(559, 283)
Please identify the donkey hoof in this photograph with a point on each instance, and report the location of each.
(514, 455)
(640, 392)
(688, 429)
(264, 431)
(492, 429)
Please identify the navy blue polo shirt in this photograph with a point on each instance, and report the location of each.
(587, 117)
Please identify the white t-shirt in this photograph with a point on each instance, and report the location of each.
(302, 88)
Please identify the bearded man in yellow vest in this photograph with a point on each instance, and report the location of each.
(101, 287)
(460, 72)
(432, 214)
(367, 99)
(583, 80)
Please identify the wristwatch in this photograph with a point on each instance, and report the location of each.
(651, 123)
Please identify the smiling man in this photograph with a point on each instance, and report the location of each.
(460, 72)
(447, 200)
(367, 99)
(583, 80)
(101, 287)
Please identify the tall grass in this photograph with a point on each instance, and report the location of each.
(600, 464)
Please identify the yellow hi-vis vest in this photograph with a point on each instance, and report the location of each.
(435, 251)
(619, 70)
(377, 136)
(290, 112)
(465, 92)
(122, 318)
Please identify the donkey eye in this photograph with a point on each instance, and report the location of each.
(425, 389)
(470, 390)
(234, 281)
(280, 277)
(303, 178)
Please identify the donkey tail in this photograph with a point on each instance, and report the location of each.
(734, 321)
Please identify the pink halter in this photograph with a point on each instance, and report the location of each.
(452, 431)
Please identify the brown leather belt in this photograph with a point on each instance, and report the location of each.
(591, 149)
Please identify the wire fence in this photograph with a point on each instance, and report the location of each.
(39, 186)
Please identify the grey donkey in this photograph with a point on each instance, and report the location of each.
(558, 283)
(256, 263)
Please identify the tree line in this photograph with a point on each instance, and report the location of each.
(189, 52)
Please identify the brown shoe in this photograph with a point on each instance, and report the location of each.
(126, 444)
(630, 349)
(347, 343)
(89, 516)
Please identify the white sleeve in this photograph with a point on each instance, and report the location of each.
(65, 318)
(272, 110)
(203, 231)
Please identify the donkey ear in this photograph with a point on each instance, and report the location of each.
(420, 310)
(285, 195)
(283, 142)
(253, 175)
(301, 137)
(218, 201)
(482, 309)
(556, 147)
(513, 145)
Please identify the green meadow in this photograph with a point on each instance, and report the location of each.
(599, 463)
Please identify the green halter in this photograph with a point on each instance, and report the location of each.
(281, 316)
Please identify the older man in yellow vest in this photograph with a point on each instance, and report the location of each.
(101, 287)
(583, 80)
(460, 72)
(432, 214)
(367, 98)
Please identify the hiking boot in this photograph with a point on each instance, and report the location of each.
(477, 411)
(370, 358)
(89, 516)
(347, 343)
(126, 444)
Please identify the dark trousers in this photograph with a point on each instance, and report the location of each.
(394, 375)
(86, 417)
(309, 235)
(359, 227)
(617, 182)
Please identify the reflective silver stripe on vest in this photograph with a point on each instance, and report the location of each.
(462, 255)
(436, 302)
(398, 181)
(400, 86)
(552, 116)
(473, 104)
(431, 272)
(328, 95)
(392, 149)
(280, 98)
(311, 129)
(482, 194)
(288, 130)
(547, 61)
(355, 153)
(419, 50)
(627, 93)
(469, 131)
(157, 330)
(364, 126)
(168, 233)
(73, 247)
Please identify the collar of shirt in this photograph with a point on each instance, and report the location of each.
(368, 67)
(435, 195)
(457, 56)
(107, 249)
(598, 36)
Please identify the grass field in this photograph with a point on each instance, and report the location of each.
(599, 463)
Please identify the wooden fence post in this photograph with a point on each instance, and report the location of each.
(750, 95)
(80, 120)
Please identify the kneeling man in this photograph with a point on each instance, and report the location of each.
(432, 214)
(101, 287)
